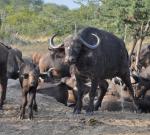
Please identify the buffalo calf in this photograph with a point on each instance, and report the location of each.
(28, 76)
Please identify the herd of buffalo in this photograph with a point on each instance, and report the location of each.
(90, 56)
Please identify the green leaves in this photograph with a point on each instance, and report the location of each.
(34, 18)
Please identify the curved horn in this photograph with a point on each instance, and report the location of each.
(51, 43)
(94, 46)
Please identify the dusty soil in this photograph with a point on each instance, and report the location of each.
(54, 118)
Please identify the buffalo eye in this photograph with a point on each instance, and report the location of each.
(25, 76)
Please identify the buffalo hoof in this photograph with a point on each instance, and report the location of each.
(89, 113)
(96, 107)
(22, 116)
(31, 116)
(77, 111)
(1, 106)
(90, 110)
(35, 108)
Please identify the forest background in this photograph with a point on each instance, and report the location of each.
(26, 22)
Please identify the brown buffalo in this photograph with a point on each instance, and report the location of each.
(143, 82)
(28, 76)
(36, 56)
(144, 59)
(44, 63)
(116, 99)
(3, 72)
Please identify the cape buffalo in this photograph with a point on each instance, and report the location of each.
(44, 63)
(3, 72)
(13, 63)
(98, 55)
(57, 58)
(143, 82)
(144, 59)
(56, 90)
(36, 57)
(28, 77)
(53, 63)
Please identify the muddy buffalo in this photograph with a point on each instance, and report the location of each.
(144, 59)
(4, 50)
(142, 82)
(98, 55)
(28, 76)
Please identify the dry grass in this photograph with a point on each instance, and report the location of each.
(145, 42)
(36, 45)
(27, 50)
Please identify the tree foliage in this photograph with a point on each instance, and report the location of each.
(33, 18)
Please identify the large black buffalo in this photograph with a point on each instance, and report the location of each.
(4, 50)
(9, 66)
(98, 55)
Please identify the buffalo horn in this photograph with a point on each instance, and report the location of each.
(51, 43)
(94, 46)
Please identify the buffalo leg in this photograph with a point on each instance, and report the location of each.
(3, 84)
(78, 106)
(103, 85)
(143, 93)
(35, 108)
(24, 103)
(92, 93)
(32, 97)
(127, 81)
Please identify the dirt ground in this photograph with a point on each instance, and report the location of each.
(54, 118)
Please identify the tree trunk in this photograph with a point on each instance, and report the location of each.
(133, 47)
(138, 52)
(125, 32)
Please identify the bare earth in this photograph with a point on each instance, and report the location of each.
(54, 118)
